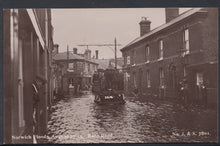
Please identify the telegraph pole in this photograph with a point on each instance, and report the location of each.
(67, 52)
(106, 45)
(115, 54)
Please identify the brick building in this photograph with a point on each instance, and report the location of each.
(184, 48)
(27, 67)
(74, 70)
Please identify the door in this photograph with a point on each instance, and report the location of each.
(140, 80)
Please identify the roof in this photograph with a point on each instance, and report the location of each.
(104, 63)
(175, 20)
(63, 56)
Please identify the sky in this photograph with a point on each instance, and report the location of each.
(75, 27)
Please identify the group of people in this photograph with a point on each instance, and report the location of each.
(108, 79)
(201, 91)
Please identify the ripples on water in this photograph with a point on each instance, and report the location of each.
(80, 120)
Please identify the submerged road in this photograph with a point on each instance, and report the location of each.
(80, 120)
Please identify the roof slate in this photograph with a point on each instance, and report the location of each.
(175, 20)
(63, 56)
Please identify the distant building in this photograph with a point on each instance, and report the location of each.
(184, 48)
(27, 68)
(74, 71)
(105, 63)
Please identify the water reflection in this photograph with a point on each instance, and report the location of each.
(83, 121)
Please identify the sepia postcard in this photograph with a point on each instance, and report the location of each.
(110, 75)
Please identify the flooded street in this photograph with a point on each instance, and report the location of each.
(80, 120)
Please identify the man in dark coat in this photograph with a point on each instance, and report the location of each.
(204, 94)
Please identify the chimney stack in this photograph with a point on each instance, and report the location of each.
(144, 26)
(171, 13)
(87, 54)
(74, 50)
(96, 54)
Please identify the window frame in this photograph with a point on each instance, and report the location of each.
(186, 41)
(69, 67)
(147, 53)
(161, 49)
(148, 78)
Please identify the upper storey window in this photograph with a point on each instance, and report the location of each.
(71, 67)
(147, 53)
(186, 41)
(161, 49)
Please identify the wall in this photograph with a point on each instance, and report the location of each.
(203, 36)
(25, 59)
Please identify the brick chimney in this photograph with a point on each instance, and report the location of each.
(96, 54)
(74, 50)
(144, 26)
(171, 13)
(87, 54)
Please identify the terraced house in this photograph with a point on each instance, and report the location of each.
(184, 48)
(28, 43)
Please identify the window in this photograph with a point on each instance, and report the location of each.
(161, 78)
(172, 73)
(147, 53)
(186, 41)
(161, 49)
(71, 67)
(148, 79)
(128, 60)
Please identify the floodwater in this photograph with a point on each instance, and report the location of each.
(80, 120)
